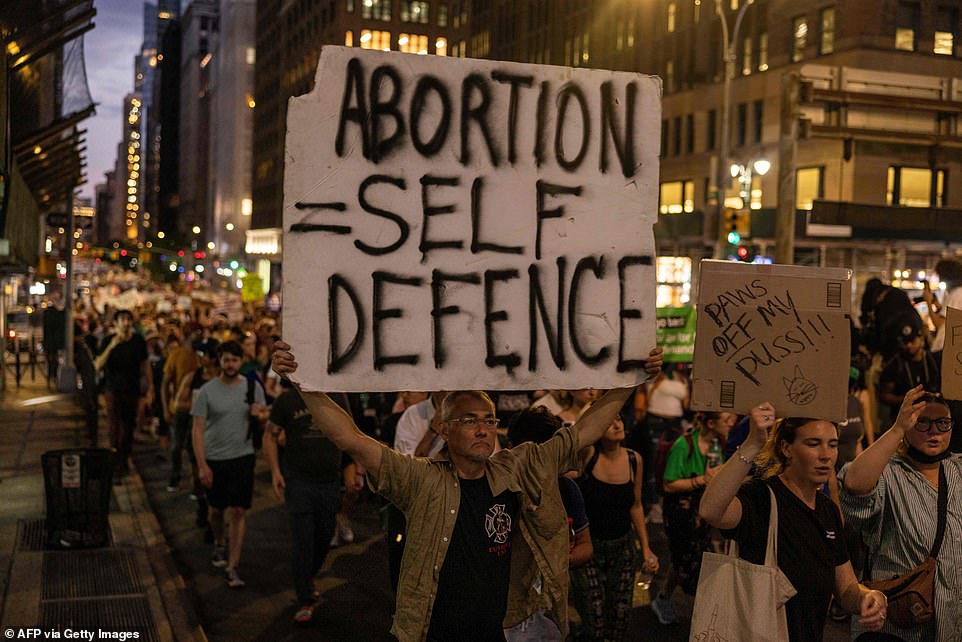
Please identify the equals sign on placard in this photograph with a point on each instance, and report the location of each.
(726, 396)
(320, 227)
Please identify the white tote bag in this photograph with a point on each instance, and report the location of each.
(738, 601)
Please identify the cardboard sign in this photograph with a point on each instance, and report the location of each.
(676, 333)
(253, 289)
(454, 223)
(952, 355)
(773, 333)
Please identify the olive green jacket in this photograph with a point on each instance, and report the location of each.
(428, 492)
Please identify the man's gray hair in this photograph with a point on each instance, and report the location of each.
(451, 399)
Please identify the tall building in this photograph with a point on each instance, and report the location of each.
(161, 122)
(879, 139)
(232, 101)
(289, 40)
(199, 33)
(130, 163)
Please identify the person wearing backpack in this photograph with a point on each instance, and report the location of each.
(224, 449)
(611, 485)
(692, 461)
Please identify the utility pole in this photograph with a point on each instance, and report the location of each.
(787, 147)
(722, 175)
(67, 378)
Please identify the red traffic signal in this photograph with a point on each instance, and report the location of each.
(742, 252)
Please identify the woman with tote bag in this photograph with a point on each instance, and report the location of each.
(796, 541)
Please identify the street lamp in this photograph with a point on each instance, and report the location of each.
(744, 174)
(728, 57)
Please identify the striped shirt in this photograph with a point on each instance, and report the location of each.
(897, 521)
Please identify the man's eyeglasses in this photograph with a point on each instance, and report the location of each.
(474, 422)
(942, 424)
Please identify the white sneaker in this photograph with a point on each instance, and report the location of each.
(345, 534)
(664, 610)
(233, 579)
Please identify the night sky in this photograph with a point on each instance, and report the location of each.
(109, 51)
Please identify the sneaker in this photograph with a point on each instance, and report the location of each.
(655, 515)
(234, 580)
(345, 534)
(304, 614)
(218, 559)
(664, 610)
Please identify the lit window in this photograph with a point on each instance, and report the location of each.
(349, 6)
(808, 187)
(696, 14)
(907, 26)
(247, 207)
(441, 47)
(677, 197)
(375, 40)
(442, 15)
(348, 38)
(915, 187)
(747, 56)
(826, 41)
(763, 51)
(412, 43)
(799, 38)
(755, 196)
(251, 55)
(669, 77)
(672, 15)
(733, 5)
(946, 26)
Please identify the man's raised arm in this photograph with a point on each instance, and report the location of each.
(336, 424)
(596, 420)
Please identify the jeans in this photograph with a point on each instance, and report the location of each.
(312, 507)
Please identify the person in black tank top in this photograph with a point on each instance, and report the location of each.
(611, 486)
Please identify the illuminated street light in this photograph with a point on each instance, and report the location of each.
(195, 229)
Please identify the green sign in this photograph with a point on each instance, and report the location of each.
(676, 333)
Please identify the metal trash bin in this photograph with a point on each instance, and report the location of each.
(77, 484)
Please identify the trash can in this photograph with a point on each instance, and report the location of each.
(77, 484)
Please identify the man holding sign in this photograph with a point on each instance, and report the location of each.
(463, 225)
(483, 527)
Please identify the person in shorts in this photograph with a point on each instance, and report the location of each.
(225, 453)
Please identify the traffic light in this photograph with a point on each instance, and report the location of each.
(742, 253)
(731, 226)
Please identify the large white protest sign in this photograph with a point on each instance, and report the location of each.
(454, 223)
(773, 333)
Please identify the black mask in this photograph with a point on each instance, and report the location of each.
(924, 458)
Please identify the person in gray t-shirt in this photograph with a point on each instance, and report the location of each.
(225, 453)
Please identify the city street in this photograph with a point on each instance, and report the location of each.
(356, 602)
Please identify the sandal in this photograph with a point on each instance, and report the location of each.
(304, 614)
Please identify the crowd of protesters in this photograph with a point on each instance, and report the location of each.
(571, 481)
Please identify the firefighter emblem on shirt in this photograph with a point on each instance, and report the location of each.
(498, 524)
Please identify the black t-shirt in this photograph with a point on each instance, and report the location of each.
(907, 373)
(810, 546)
(472, 592)
(308, 455)
(122, 370)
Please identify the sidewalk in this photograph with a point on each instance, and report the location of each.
(130, 585)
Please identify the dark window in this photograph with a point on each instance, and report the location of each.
(742, 123)
(376, 10)
(826, 28)
(689, 133)
(676, 136)
(907, 26)
(759, 120)
(349, 6)
(442, 15)
(712, 129)
(664, 138)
